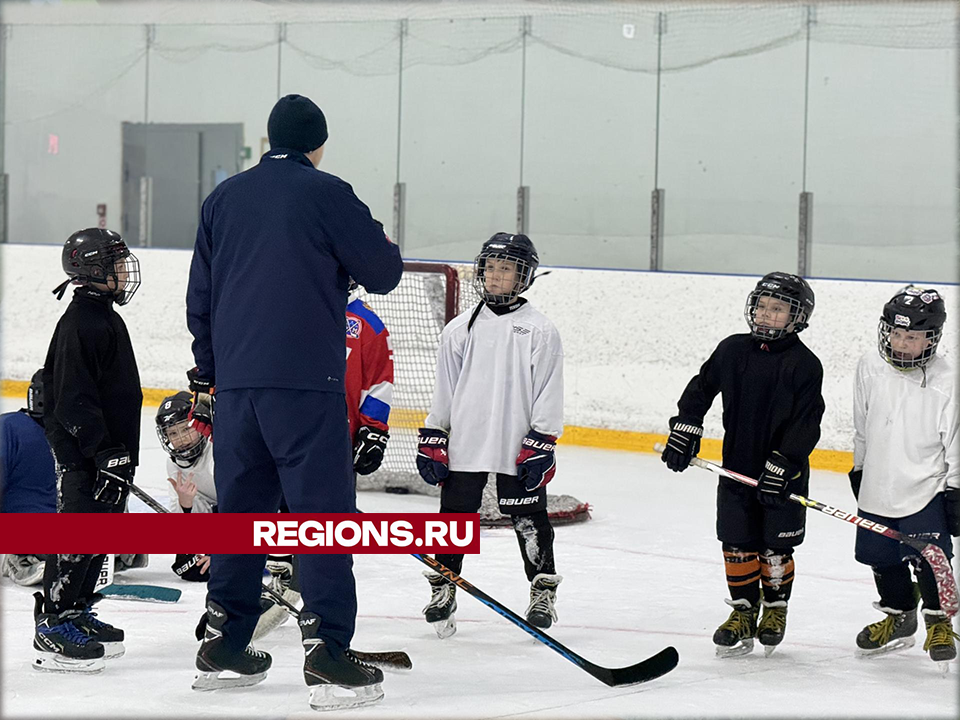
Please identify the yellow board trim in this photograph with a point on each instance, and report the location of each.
(710, 449)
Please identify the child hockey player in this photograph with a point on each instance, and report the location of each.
(92, 400)
(906, 472)
(498, 402)
(28, 480)
(772, 407)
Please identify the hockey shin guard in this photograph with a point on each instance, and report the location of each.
(895, 587)
(743, 574)
(776, 574)
(535, 535)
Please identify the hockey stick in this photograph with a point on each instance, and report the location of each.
(386, 660)
(934, 555)
(649, 669)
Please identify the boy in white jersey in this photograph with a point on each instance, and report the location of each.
(906, 470)
(497, 409)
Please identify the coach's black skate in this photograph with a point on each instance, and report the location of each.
(107, 635)
(895, 632)
(439, 612)
(735, 637)
(941, 639)
(773, 624)
(542, 611)
(336, 682)
(214, 658)
(60, 646)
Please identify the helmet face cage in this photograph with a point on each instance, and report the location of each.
(182, 443)
(35, 396)
(524, 277)
(885, 346)
(797, 317)
(104, 264)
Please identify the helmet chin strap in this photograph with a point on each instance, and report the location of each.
(60, 289)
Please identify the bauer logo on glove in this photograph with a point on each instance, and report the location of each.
(536, 463)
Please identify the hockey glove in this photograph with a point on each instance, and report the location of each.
(195, 568)
(537, 462)
(200, 416)
(369, 450)
(777, 474)
(856, 477)
(114, 473)
(432, 460)
(952, 497)
(682, 445)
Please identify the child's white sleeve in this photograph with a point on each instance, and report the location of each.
(859, 417)
(547, 411)
(449, 362)
(951, 441)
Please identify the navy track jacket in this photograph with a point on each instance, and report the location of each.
(266, 303)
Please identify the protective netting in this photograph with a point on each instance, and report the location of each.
(415, 313)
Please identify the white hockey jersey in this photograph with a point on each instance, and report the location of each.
(494, 384)
(202, 472)
(905, 434)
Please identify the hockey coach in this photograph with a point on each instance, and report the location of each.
(266, 305)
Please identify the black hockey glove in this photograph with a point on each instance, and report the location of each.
(200, 416)
(114, 473)
(433, 462)
(537, 462)
(682, 445)
(774, 482)
(188, 568)
(856, 477)
(952, 497)
(369, 450)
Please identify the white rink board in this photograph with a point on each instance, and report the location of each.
(632, 339)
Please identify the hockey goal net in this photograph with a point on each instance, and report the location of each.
(429, 296)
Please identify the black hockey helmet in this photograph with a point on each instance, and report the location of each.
(183, 444)
(791, 289)
(96, 255)
(35, 395)
(503, 246)
(912, 309)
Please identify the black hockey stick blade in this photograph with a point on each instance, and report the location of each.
(643, 671)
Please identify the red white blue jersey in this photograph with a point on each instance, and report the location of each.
(369, 369)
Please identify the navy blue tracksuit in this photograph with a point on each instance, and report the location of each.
(28, 479)
(266, 305)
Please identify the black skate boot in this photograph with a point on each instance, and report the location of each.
(439, 612)
(893, 633)
(337, 681)
(272, 613)
(735, 637)
(214, 658)
(940, 642)
(773, 624)
(542, 611)
(107, 635)
(60, 646)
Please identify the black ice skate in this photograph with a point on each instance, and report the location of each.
(439, 612)
(60, 646)
(272, 613)
(221, 667)
(893, 633)
(941, 639)
(735, 637)
(107, 635)
(336, 683)
(773, 624)
(542, 611)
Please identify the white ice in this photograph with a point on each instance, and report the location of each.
(644, 573)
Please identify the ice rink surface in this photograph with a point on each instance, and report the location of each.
(644, 573)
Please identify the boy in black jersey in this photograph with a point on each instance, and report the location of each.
(770, 382)
(92, 405)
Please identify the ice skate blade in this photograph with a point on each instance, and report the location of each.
(891, 647)
(744, 647)
(113, 650)
(445, 628)
(340, 697)
(51, 662)
(944, 667)
(225, 679)
(768, 650)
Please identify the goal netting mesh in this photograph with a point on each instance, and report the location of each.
(428, 297)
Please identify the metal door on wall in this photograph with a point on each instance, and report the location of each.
(168, 170)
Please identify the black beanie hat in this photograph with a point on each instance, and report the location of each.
(296, 123)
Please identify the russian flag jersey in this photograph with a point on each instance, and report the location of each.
(369, 382)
